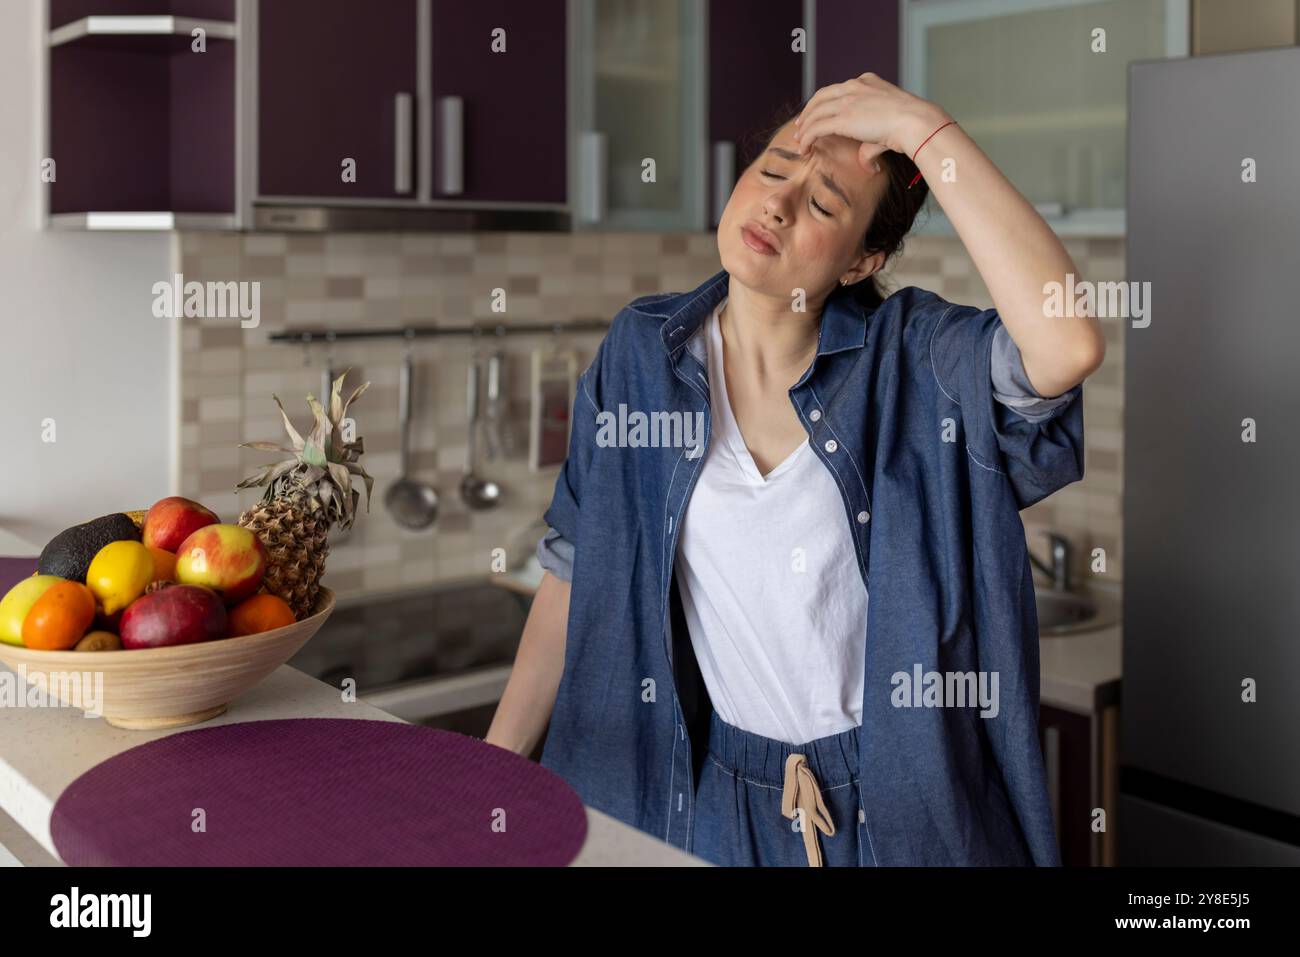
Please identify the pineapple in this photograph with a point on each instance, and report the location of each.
(306, 495)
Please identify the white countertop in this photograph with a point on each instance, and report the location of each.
(43, 750)
(1075, 669)
(1079, 670)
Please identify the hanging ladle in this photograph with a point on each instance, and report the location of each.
(412, 503)
(478, 493)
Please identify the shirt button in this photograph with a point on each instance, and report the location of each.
(863, 518)
(862, 816)
(815, 415)
(832, 445)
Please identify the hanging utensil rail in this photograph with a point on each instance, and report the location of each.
(301, 336)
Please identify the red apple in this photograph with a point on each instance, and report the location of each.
(176, 615)
(172, 520)
(226, 558)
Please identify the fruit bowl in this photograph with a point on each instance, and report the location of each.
(155, 688)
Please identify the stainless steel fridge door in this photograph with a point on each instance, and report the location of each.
(1211, 522)
(1154, 835)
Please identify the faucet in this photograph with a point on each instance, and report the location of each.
(1059, 570)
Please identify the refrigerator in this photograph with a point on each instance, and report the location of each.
(1210, 716)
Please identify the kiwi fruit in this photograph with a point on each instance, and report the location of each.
(99, 641)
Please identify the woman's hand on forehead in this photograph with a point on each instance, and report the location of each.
(875, 112)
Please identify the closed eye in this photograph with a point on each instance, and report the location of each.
(817, 206)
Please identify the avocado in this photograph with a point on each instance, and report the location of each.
(70, 552)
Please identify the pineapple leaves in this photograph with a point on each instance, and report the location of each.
(336, 398)
(261, 478)
(281, 468)
(318, 473)
(316, 450)
(321, 427)
(352, 398)
(313, 454)
(342, 481)
(357, 469)
(265, 447)
(269, 476)
(288, 426)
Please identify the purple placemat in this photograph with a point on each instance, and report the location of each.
(14, 570)
(318, 792)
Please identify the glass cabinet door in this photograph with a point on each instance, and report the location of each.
(637, 97)
(1032, 83)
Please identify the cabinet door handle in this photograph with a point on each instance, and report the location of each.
(451, 145)
(1052, 758)
(403, 140)
(593, 158)
(724, 176)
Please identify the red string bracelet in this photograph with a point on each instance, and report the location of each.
(918, 150)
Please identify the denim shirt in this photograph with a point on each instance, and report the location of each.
(933, 465)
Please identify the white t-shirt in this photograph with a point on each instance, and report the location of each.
(774, 602)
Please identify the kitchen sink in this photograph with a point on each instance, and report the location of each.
(1068, 613)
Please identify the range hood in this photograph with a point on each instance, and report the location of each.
(311, 217)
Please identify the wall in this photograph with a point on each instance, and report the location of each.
(385, 280)
(228, 374)
(1230, 26)
(78, 341)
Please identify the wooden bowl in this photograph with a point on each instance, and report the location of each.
(153, 688)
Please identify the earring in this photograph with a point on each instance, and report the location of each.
(844, 282)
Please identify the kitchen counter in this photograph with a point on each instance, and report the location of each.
(43, 750)
(1080, 670)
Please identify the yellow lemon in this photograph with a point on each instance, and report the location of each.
(18, 602)
(119, 573)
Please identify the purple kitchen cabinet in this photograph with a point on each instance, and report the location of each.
(508, 140)
(854, 37)
(337, 80)
(754, 74)
(141, 123)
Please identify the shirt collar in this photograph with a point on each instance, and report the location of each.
(843, 325)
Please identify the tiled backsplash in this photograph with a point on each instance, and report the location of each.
(351, 280)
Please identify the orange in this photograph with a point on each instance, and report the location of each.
(164, 565)
(259, 613)
(59, 617)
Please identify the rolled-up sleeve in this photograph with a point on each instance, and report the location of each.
(557, 548)
(1011, 385)
(555, 553)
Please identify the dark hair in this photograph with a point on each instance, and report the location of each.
(890, 222)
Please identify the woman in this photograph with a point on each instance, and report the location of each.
(720, 683)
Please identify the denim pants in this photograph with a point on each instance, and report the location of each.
(765, 803)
